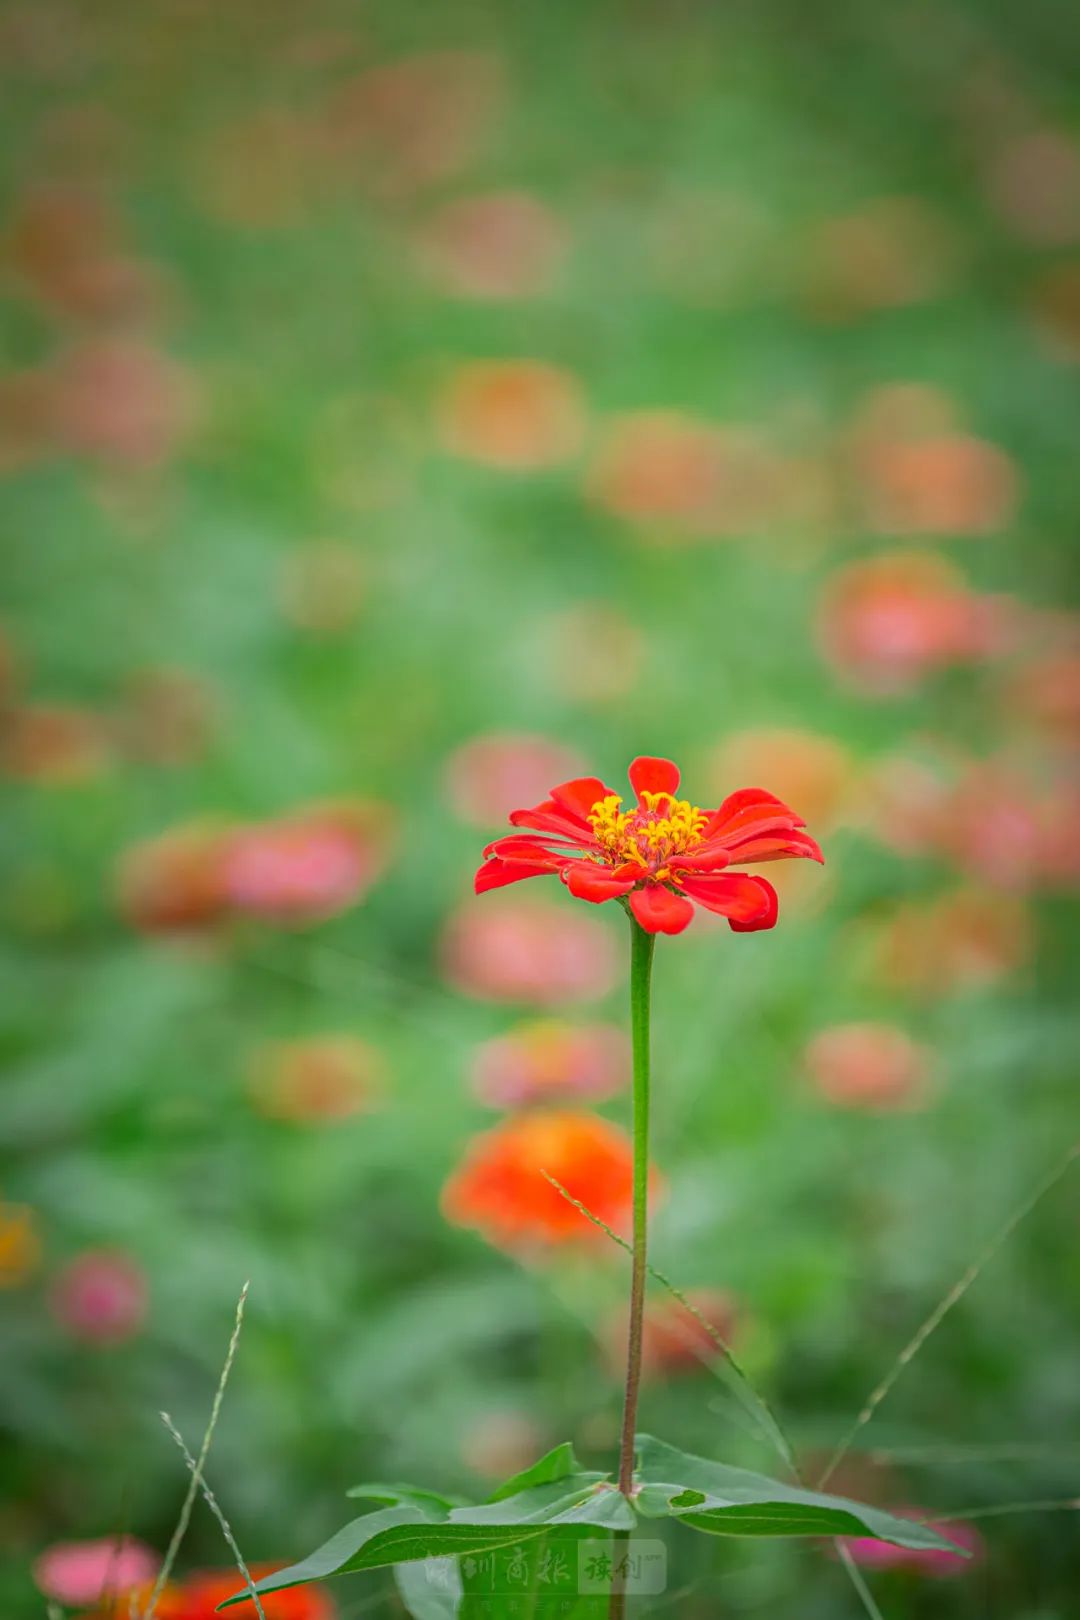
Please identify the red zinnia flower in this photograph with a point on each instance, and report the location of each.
(662, 855)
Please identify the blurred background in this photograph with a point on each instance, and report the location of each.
(405, 409)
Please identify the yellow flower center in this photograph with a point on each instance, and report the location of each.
(651, 834)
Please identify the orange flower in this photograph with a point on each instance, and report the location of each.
(516, 414)
(20, 1246)
(661, 856)
(175, 883)
(500, 1188)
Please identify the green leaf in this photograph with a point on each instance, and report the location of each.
(394, 1495)
(430, 1590)
(423, 1528)
(559, 1463)
(725, 1501)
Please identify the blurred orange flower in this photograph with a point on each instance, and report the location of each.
(175, 883)
(322, 1078)
(868, 1065)
(550, 1061)
(54, 744)
(20, 1246)
(500, 1188)
(520, 415)
(966, 940)
(806, 768)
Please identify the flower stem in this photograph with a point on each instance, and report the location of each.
(641, 958)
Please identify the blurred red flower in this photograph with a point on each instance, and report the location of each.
(874, 1554)
(527, 949)
(100, 1297)
(200, 1595)
(662, 856)
(549, 1061)
(887, 623)
(307, 866)
(868, 1065)
(487, 776)
(500, 1188)
(520, 415)
(674, 1341)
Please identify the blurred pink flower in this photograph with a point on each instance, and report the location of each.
(121, 401)
(521, 948)
(503, 245)
(874, 1554)
(101, 1297)
(306, 866)
(875, 1066)
(410, 123)
(79, 1573)
(317, 1079)
(551, 1062)
(518, 415)
(1034, 184)
(489, 776)
(887, 623)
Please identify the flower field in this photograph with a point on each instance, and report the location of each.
(410, 410)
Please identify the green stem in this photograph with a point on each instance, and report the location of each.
(642, 945)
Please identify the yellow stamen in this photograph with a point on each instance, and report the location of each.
(650, 834)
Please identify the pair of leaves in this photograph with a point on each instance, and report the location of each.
(557, 1497)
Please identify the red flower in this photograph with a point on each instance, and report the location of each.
(201, 1594)
(662, 855)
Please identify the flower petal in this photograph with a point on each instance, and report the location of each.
(577, 798)
(747, 902)
(649, 775)
(548, 818)
(659, 911)
(775, 847)
(497, 873)
(523, 846)
(749, 803)
(588, 881)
